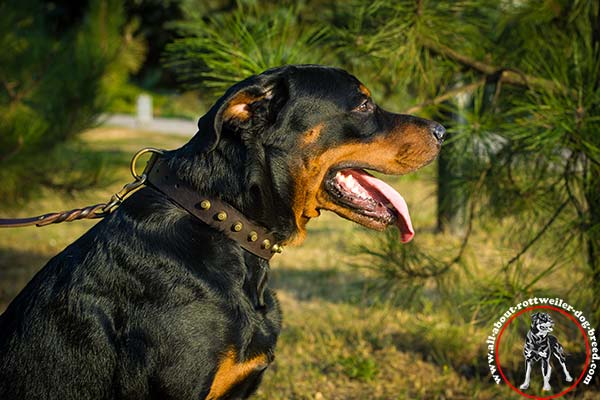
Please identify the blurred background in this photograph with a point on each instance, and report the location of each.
(510, 210)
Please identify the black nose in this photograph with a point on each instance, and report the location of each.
(438, 131)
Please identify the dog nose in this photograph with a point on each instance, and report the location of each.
(438, 131)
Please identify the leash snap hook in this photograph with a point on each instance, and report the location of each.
(140, 180)
(117, 198)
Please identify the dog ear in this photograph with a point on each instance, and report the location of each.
(248, 106)
(244, 105)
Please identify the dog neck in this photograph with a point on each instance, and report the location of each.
(241, 175)
(211, 210)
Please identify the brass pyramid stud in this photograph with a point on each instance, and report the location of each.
(221, 215)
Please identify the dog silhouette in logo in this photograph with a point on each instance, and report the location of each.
(541, 346)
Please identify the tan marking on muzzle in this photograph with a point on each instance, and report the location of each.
(397, 152)
(312, 135)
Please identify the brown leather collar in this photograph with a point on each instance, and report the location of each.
(213, 212)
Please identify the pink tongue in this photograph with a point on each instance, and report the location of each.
(369, 182)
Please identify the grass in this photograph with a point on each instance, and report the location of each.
(341, 339)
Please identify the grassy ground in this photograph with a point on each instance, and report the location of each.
(340, 339)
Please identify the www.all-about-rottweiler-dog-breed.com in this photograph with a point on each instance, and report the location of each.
(167, 297)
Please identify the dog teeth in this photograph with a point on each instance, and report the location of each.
(348, 185)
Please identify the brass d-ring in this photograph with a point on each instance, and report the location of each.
(136, 157)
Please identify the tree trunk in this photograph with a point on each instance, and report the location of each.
(451, 197)
(451, 200)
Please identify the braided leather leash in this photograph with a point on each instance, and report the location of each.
(89, 212)
(100, 210)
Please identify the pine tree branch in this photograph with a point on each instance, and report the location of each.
(507, 75)
(447, 96)
(537, 236)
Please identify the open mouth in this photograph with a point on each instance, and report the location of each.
(372, 202)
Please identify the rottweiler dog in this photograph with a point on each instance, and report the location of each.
(540, 346)
(152, 303)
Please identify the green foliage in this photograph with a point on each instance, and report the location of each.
(382, 41)
(56, 81)
(127, 58)
(218, 50)
(358, 367)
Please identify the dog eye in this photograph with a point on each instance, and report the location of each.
(365, 106)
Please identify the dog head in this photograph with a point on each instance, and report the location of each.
(300, 139)
(541, 324)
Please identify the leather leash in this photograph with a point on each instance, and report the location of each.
(213, 212)
(89, 212)
(100, 210)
